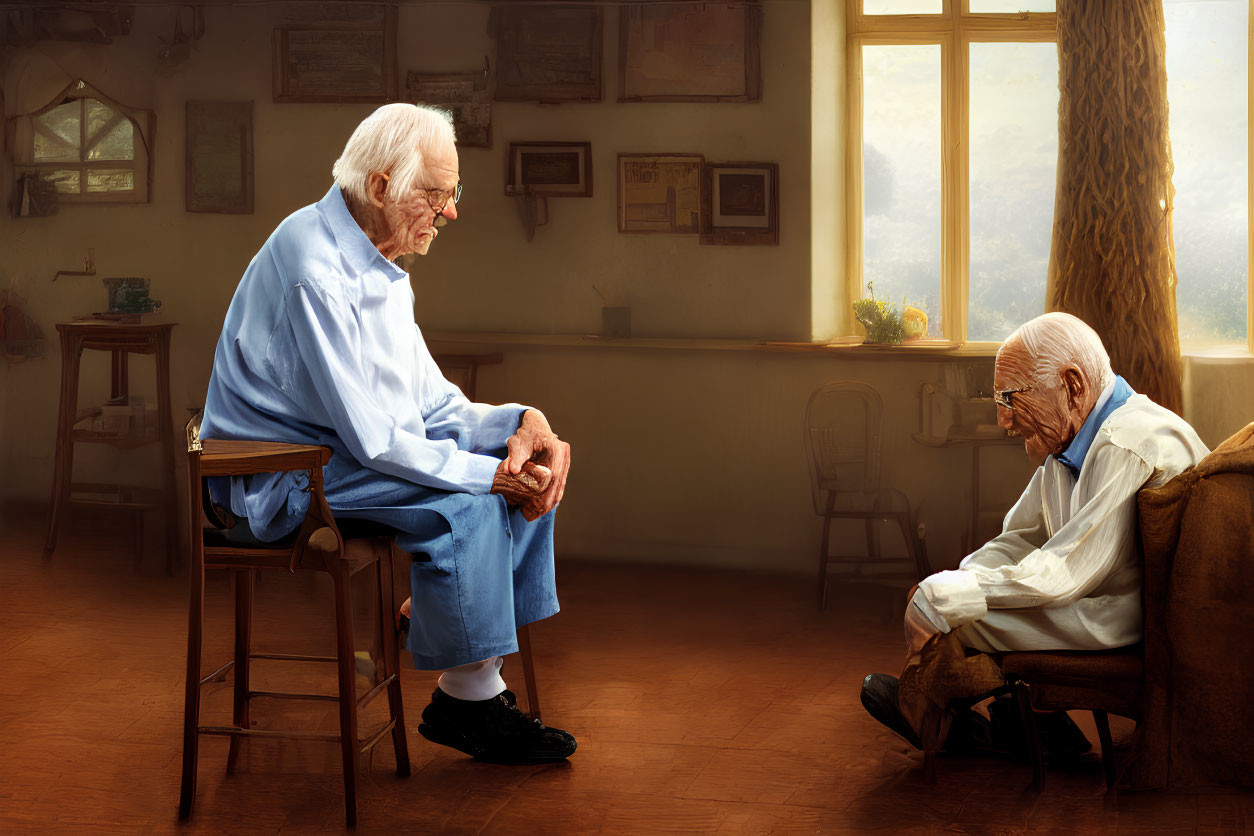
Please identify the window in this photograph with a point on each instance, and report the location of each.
(87, 148)
(953, 141)
(953, 148)
(1207, 90)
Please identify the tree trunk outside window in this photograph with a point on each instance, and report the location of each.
(1112, 261)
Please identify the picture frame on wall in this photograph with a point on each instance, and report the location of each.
(740, 203)
(219, 163)
(683, 52)
(659, 193)
(467, 96)
(337, 61)
(547, 53)
(550, 169)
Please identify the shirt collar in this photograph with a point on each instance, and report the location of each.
(1115, 395)
(359, 252)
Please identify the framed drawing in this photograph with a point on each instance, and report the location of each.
(547, 53)
(337, 61)
(551, 169)
(740, 203)
(219, 176)
(465, 95)
(659, 193)
(685, 52)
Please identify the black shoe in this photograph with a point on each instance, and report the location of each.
(493, 730)
(968, 733)
(879, 698)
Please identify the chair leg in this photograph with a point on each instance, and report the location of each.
(245, 584)
(191, 705)
(345, 663)
(823, 551)
(1031, 736)
(391, 658)
(529, 672)
(1108, 746)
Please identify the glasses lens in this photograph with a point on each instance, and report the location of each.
(457, 192)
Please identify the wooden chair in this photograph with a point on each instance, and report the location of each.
(322, 545)
(843, 435)
(1104, 682)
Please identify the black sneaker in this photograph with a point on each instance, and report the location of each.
(493, 730)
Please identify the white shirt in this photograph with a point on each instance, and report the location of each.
(1069, 544)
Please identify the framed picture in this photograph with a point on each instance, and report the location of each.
(465, 95)
(337, 61)
(659, 193)
(740, 203)
(685, 52)
(547, 53)
(219, 173)
(551, 169)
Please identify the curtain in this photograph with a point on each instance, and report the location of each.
(1112, 262)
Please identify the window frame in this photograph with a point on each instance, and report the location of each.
(954, 29)
(143, 122)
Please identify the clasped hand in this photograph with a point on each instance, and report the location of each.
(533, 474)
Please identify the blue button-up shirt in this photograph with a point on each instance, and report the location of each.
(319, 346)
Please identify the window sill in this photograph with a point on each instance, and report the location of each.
(844, 347)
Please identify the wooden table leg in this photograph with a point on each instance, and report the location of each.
(71, 349)
(167, 451)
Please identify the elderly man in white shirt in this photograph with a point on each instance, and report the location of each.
(1065, 572)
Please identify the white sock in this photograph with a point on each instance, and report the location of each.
(476, 681)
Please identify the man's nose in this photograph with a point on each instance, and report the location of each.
(450, 210)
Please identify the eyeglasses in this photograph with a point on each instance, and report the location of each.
(438, 198)
(1005, 396)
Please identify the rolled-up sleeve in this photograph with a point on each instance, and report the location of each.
(325, 334)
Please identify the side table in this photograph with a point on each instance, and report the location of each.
(79, 426)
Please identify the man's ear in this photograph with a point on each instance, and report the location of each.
(1075, 385)
(376, 187)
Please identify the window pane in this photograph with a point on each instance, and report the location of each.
(57, 133)
(98, 115)
(1012, 6)
(901, 7)
(1014, 157)
(118, 144)
(65, 182)
(1206, 90)
(901, 176)
(105, 180)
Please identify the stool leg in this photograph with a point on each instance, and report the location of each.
(63, 469)
(1031, 736)
(348, 690)
(529, 672)
(191, 705)
(391, 658)
(1108, 746)
(245, 585)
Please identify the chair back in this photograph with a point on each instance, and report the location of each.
(843, 435)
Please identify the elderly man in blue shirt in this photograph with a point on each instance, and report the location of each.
(320, 346)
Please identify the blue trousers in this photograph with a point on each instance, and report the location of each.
(480, 570)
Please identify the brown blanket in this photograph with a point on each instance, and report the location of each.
(1197, 531)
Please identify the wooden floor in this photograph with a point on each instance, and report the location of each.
(702, 701)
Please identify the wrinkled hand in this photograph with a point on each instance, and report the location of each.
(525, 489)
(534, 443)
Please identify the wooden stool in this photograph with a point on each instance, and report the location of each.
(319, 545)
(122, 340)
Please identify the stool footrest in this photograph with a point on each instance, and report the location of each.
(219, 672)
(365, 698)
(285, 695)
(236, 731)
(289, 657)
(369, 742)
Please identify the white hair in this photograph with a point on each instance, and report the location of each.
(394, 140)
(1055, 341)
